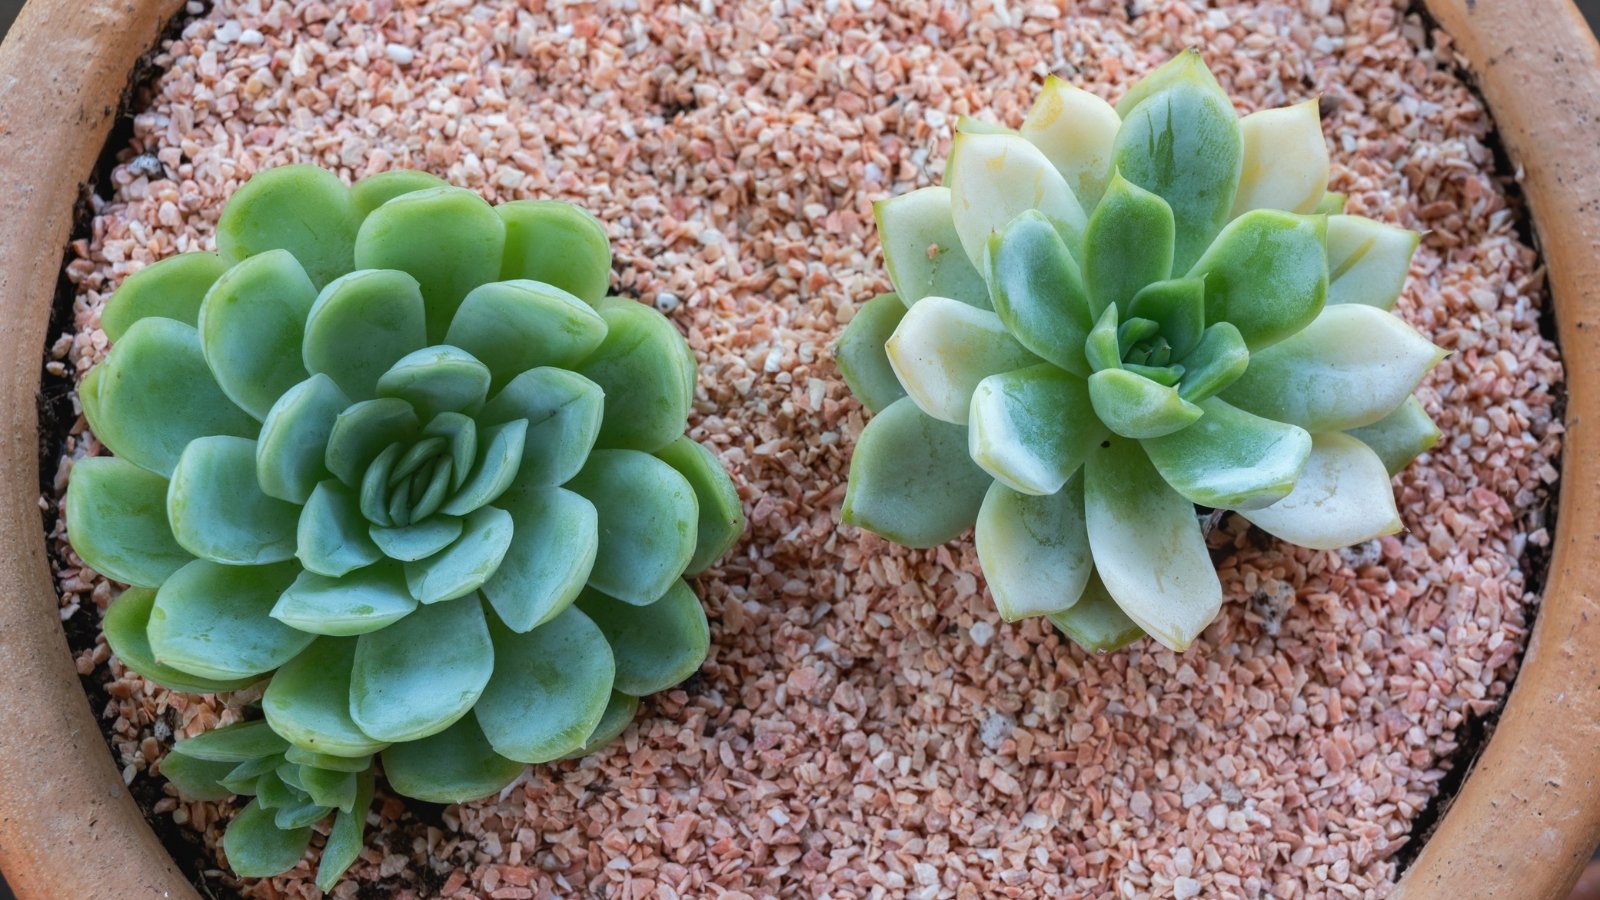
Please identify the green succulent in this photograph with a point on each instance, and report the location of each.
(396, 448)
(1114, 315)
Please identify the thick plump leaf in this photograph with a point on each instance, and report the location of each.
(1331, 204)
(361, 325)
(1182, 143)
(549, 690)
(117, 522)
(308, 701)
(252, 325)
(466, 564)
(647, 376)
(1214, 363)
(655, 646)
(453, 766)
(248, 776)
(496, 468)
(922, 251)
(331, 537)
(1034, 550)
(291, 456)
(302, 757)
(1075, 130)
(1038, 291)
(437, 379)
(1178, 306)
(218, 511)
(154, 394)
(1128, 245)
(721, 514)
(449, 239)
(258, 848)
(461, 433)
(375, 494)
(942, 349)
(329, 787)
(1285, 160)
(1266, 275)
(421, 674)
(563, 410)
(126, 625)
(417, 541)
(559, 244)
(514, 326)
(1401, 436)
(239, 743)
(1351, 367)
(365, 430)
(993, 178)
(1367, 261)
(648, 523)
(169, 289)
(1103, 348)
(1136, 407)
(196, 779)
(213, 621)
(1096, 623)
(374, 191)
(1343, 497)
(303, 209)
(860, 356)
(1187, 67)
(1231, 459)
(347, 836)
(554, 540)
(364, 600)
(911, 480)
(1031, 428)
(1147, 546)
(618, 715)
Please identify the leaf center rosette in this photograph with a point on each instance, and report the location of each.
(396, 448)
(1114, 315)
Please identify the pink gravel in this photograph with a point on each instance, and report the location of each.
(866, 726)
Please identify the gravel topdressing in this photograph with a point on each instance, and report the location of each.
(866, 726)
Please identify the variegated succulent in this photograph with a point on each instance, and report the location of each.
(395, 448)
(1114, 315)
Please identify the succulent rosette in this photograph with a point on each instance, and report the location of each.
(395, 448)
(1115, 315)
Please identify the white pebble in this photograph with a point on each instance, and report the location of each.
(1185, 888)
(666, 302)
(982, 633)
(399, 54)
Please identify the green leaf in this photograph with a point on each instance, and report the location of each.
(347, 836)
(302, 757)
(1182, 143)
(375, 489)
(213, 621)
(1147, 546)
(308, 701)
(1285, 159)
(153, 394)
(1351, 367)
(1214, 363)
(559, 244)
(437, 379)
(993, 178)
(1136, 407)
(496, 468)
(554, 540)
(1128, 245)
(655, 646)
(400, 694)
(374, 191)
(240, 743)
(1266, 275)
(218, 511)
(331, 537)
(563, 410)
(618, 716)
(1367, 261)
(363, 431)
(448, 238)
(1178, 306)
(171, 289)
(117, 522)
(251, 326)
(1076, 131)
(1401, 436)
(647, 377)
(648, 519)
(330, 788)
(364, 600)
(1331, 204)
(421, 540)
(922, 251)
(514, 326)
(453, 766)
(258, 848)
(461, 432)
(126, 625)
(292, 451)
(1034, 550)
(1038, 291)
(1096, 623)
(361, 325)
(252, 774)
(911, 480)
(303, 209)
(721, 514)
(1343, 498)
(196, 779)
(466, 564)
(942, 349)
(550, 689)
(1031, 428)
(1231, 459)
(859, 352)
(1103, 348)
(1187, 67)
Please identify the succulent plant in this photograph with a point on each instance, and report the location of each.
(396, 448)
(1114, 315)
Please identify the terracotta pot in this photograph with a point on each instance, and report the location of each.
(1523, 825)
